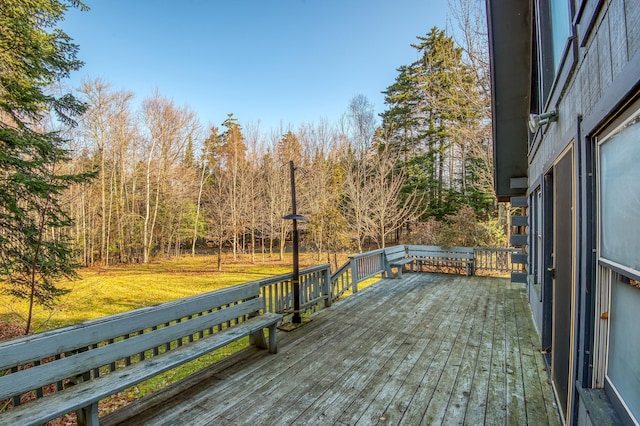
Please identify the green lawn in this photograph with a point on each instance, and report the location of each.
(105, 291)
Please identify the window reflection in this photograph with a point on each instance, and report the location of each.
(620, 196)
(560, 28)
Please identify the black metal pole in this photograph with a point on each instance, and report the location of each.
(295, 281)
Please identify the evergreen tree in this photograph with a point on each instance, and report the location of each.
(289, 148)
(429, 106)
(34, 249)
(234, 152)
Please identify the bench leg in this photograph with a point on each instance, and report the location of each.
(273, 340)
(88, 416)
(388, 272)
(470, 269)
(257, 338)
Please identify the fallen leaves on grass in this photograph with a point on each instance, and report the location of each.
(10, 330)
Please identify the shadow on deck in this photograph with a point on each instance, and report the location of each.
(426, 349)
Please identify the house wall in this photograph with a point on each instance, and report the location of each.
(608, 54)
(599, 74)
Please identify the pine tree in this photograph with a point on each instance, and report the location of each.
(234, 161)
(34, 249)
(429, 107)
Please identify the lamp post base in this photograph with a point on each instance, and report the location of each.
(290, 326)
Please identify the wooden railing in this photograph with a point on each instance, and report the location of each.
(318, 287)
(495, 259)
(366, 265)
(342, 281)
(358, 268)
(315, 290)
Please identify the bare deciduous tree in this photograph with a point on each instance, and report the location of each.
(388, 212)
(109, 131)
(168, 129)
(359, 127)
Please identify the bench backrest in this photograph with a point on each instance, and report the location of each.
(92, 344)
(395, 253)
(440, 252)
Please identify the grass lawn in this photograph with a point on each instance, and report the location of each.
(105, 291)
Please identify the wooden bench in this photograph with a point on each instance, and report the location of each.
(92, 360)
(396, 258)
(443, 258)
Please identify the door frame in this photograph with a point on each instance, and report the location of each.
(550, 220)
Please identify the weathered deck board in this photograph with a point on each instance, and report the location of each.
(533, 372)
(434, 389)
(477, 404)
(537, 371)
(391, 400)
(460, 394)
(496, 410)
(426, 349)
(369, 378)
(516, 409)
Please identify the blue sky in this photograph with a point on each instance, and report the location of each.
(274, 61)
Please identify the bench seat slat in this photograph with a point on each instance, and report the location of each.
(403, 261)
(34, 377)
(76, 397)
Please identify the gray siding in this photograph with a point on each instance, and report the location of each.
(611, 45)
(601, 72)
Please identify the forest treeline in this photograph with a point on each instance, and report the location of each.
(166, 185)
(93, 177)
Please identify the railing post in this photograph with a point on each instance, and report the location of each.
(327, 287)
(354, 274)
(476, 261)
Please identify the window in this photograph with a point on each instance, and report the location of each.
(551, 35)
(560, 29)
(620, 196)
(538, 236)
(617, 344)
(624, 341)
(536, 239)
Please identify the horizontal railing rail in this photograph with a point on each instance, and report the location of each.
(366, 265)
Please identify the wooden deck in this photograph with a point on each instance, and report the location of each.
(426, 349)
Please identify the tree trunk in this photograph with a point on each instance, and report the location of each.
(195, 226)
